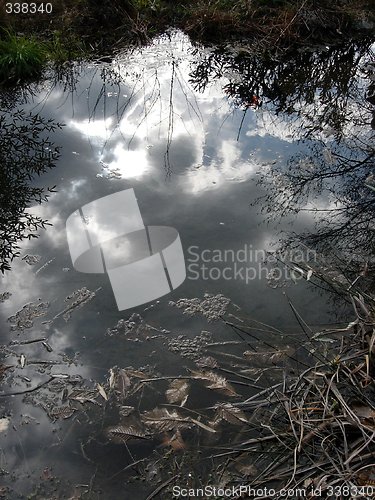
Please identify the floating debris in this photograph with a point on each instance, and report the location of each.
(230, 413)
(215, 382)
(44, 266)
(125, 411)
(5, 296)
(192, 348)
(22, 361)
(25, 316)
(84, 396)
(109, 173)
(122, 433)
(3, 369)
(31, 259)
(79, 297)
(207, 362)
(163, 420)
(212, 307)
(61, 412)
(133, 327)
(178, 392)
(102, 392)
(47, 346)
(4, 424)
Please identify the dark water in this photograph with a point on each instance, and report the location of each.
(179, 125)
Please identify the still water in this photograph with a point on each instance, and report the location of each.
(182, 126)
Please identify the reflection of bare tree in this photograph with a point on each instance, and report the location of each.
(322, 94)
(26, 152)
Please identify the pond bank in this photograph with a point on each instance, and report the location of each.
(72, 29)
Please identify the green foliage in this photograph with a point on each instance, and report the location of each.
(64, 47)
(21, 58)
(25, 154)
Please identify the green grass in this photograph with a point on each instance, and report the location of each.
(65, 47)
(21, 58)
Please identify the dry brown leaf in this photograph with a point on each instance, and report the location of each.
(175, 442)
(247, 470)
(363, 411)
(230, 413)
(62, 412)
(136, 373)
(163, 420)
(83, 396)
(178, 392)
(125, 411)
(123, 382)
(215, 382)
(124, 432)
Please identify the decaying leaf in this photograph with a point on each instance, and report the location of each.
(124, 432)
(136, 373)
(123, 382)
(363, 411)
(215, 382)
(102, 391)
(175, 441)
(162, 420)
(230, 413)
(62, 412)
(247, 470)
(83, 396)
(178, 392)
(125, 411)
(265, 357)
(207, 362)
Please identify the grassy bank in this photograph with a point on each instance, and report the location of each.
(77, 28)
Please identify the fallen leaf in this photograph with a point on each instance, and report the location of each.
(62, 412)
(83, 396)
(163, 420)
(102, 391)
(230, 413)
(215, 382)
(175, 442)
(124, 432)
(125, 411)
(178, 392)
(363, 411)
